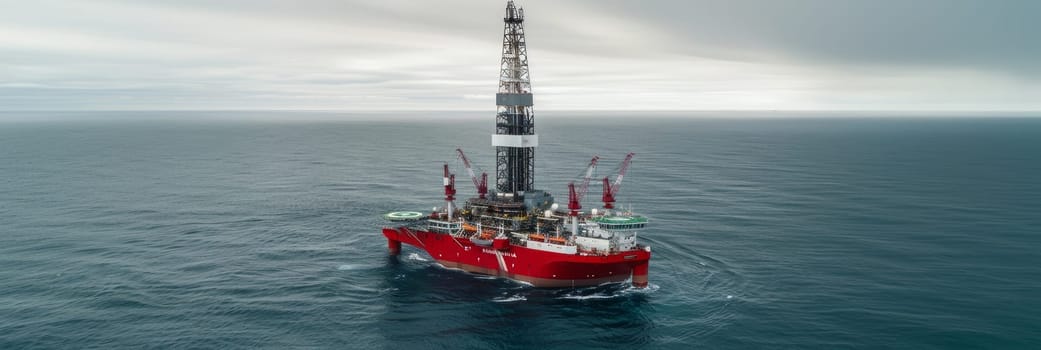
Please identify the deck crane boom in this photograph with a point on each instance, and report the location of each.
(574, 197)
(586, 176)
(482, 183)
(611, 188)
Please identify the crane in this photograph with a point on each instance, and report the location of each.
(611, 188)
(482, 183)
(574, 197)
(586, 176)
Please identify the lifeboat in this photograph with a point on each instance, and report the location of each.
(483, 239)
(479, 240)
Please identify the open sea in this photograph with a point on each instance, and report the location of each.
(131, 230)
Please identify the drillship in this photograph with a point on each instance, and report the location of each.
(519, 232)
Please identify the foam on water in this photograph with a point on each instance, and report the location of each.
(590, 296)
(349, 267)
(510, 298)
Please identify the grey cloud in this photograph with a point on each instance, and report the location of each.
(586, 54)
(997, 35)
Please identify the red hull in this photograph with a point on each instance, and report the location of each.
(537, 267)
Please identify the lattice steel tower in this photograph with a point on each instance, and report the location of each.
(515, 139)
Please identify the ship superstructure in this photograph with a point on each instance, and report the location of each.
(517, 231)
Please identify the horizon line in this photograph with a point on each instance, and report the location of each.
(541, 110)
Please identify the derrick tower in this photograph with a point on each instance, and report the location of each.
(515, 139)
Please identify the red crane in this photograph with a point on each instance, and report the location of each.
(611, 189)
(572, 200)
(481, 184)
(586, 176)
(573, 206)
(575, 195)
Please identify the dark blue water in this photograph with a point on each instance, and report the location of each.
(915, 233)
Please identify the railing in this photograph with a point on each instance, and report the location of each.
(451, 227)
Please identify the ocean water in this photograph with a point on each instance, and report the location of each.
(190, 230)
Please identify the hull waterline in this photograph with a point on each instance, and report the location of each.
(536, 267)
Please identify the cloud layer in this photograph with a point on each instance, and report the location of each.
(586, 54)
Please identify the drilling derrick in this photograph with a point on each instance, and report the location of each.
(518, 232)
(515, 139)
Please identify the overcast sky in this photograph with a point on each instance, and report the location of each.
(584, 54)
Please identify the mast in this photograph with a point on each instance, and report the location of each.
(515, 139)
(449, 180)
